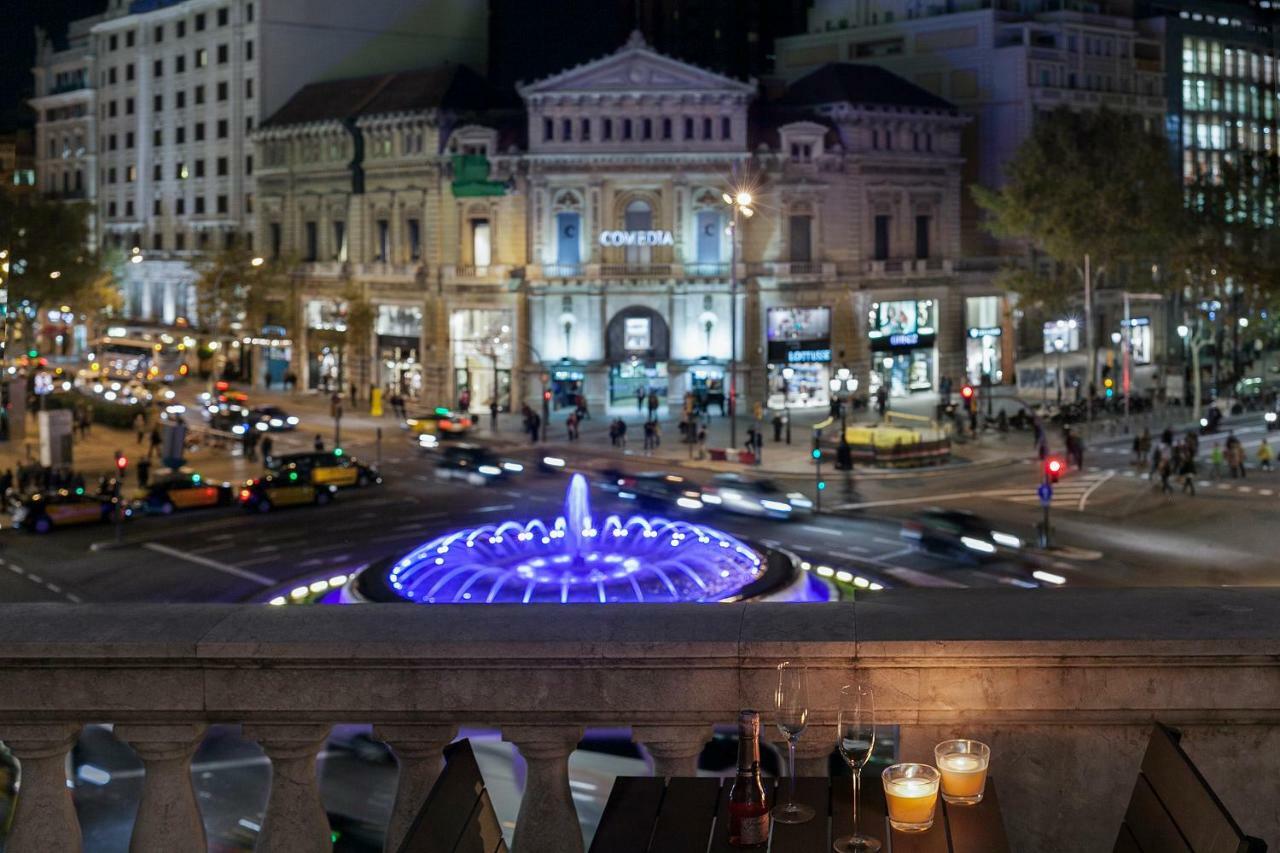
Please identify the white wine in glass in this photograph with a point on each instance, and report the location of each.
(856, 731)
(791, 701)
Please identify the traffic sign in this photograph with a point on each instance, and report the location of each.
(1046, 493)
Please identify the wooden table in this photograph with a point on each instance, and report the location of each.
(685, 815)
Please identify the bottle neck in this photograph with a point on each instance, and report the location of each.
(748, 753)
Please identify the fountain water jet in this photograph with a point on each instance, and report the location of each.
(576, 560)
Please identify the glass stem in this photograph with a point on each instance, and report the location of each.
(856, 773)
(791, 771)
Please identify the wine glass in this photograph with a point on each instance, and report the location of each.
(856, 730)
(791, 700)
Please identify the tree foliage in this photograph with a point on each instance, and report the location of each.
(49, 263)
(232, 291)
(1089, 183)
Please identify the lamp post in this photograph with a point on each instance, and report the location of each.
(787, 374)
(740, 203)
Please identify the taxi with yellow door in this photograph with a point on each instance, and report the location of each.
(336, 468)
(287, 487)
(181, 490)
(43, 511)
(440, 422)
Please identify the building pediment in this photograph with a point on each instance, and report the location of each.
(636, 68)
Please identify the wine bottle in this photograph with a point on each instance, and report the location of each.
(748, 810)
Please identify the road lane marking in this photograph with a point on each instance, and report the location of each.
(1084, 498)
(225, 568)
(497, 508)
(1266, 492)
(818, 528)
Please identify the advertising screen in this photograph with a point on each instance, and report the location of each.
(799, 335)
(901, 324)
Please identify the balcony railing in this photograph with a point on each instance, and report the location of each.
(1063, 685)
(909, 267)
(637, 270)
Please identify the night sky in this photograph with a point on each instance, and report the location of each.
(21, 19)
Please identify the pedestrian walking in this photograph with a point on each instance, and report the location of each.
(1264, 456)
(648, 436)
(657, 433)
(653, 405)
(318, 444)
(639, 399)
(622, 433)
(702, 442)
(156, 441)
(777, 428)
(571, 426)
(140, 426)
(1166, 469)
(268, 446)
(1188, 473)
(1216, 460)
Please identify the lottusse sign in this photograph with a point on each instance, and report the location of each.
(636, 238)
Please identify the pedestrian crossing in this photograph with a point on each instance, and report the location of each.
(1071, 493)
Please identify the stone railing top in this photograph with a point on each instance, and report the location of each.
(938, 623)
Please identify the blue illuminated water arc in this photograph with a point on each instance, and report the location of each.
(573, 559)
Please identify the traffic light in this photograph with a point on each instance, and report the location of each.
(122, 462)
(822, 485)
(817, 453)
(1110, 385)
(1053, 468)
(546, 396)
(967, 392)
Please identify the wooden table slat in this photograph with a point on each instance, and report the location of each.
(629, 816)
(720, 836)
(978, 828)
(687, 815)
(871, 820)
(811, 837)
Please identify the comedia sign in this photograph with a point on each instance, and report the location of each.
(636, 238)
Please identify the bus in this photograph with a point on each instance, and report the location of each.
(136, 358)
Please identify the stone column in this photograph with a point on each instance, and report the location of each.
(295, 821)
(418, 750)
(168, 815)
(44, 816)
(675, 749)
(548, 821)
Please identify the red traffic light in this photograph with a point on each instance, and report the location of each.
(1053, 466)
(122, 462)
(967, 392)
(546, 395)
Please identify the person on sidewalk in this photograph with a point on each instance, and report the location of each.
(622, 433)
(144, 472)
(318, 444)
(268, 445)
(140, 426)
(493, 414)
(702, 442)
(156, 441)
(648, 436)
(777, 428)
(1188, 472)
(571, 426)
(1264, 456)
(653, 405)
(639, 399)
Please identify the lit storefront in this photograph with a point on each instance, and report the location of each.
(903, 337)
(482, 353)
(799, 339)
(637, 347)
(983, 339)
(326, 344)
(399, 363)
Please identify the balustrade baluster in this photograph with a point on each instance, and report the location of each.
(44, 816)
(675, 749)
(168, 815)
(419, 752)
(295, 821)
(548, 820)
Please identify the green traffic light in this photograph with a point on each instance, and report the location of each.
(337, 451)
(293, 475)
(822, 485)
(32, 353)
(817, 454)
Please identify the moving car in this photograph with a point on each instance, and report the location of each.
(181, 490)
(286, 488)
(735, 493)
(43, 511)
(440, 422)
(474, 464)
(271, 418)
(327, 468)
(655, 489)
(958, 533)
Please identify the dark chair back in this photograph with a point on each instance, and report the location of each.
(1173, 809)
(458, 816)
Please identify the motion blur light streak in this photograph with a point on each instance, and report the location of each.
(574, 560)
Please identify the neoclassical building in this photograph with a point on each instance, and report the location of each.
(574, 236)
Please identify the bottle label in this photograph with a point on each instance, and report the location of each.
(754, 830)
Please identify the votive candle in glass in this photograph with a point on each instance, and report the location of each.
(911, 794)
(963, 764)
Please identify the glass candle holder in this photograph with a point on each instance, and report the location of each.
(911, 794)
(963, 765)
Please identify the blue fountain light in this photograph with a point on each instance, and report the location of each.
(574, 560)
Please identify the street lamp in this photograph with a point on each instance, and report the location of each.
(787, 374)
(740, 203)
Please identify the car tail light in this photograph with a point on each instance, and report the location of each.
(244, 494)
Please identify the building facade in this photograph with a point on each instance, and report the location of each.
(578, 242)
(147, 114)
(1001, 63)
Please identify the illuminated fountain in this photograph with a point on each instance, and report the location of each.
(572, 560)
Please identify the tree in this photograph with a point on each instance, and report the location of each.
(237, 291)
(46, 262)
(1092, 190)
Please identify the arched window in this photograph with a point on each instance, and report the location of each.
(638, 217)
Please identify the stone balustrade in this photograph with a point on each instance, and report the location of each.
(1063, 684)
